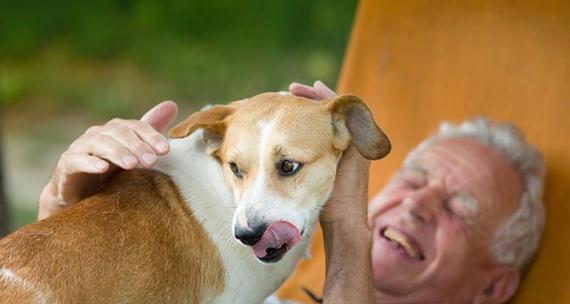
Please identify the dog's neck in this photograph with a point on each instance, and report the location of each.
(200, 179)
(201, 183)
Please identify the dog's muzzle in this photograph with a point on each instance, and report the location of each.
(269, 244)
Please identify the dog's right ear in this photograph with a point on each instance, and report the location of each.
(212, 120)
(353, 121)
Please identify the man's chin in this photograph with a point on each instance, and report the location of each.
(393, 275)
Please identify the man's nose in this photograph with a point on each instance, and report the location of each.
(424, 204)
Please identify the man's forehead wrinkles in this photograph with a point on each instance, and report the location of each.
(416, 168)
(448, 181)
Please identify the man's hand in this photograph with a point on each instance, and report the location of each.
(344, 220)
(319, 91)
(349, 199)
(100, 151)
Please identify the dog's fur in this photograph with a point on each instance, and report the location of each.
(167, 235)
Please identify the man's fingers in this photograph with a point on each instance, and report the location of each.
(303, 91)
(79, 162)
(146, 134)
(108, 148)
(161, 115)
(125, 143)
(319, 91)
(323, 91)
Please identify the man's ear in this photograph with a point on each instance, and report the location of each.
(352, 119)
(502, 285)
(212, 120)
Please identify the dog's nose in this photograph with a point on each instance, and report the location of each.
(249, 236)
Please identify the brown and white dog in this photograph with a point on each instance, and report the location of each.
(258, 170)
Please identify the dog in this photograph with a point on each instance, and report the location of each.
(223, 218)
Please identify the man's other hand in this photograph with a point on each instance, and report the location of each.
(100, 151)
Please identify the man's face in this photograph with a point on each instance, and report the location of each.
(434, 223)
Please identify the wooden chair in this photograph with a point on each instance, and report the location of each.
(418, 63)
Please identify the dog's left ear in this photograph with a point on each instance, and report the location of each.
(212, 120)
(352, 119)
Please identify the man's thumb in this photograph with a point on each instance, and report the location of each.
(161, 115)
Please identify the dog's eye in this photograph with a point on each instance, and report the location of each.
(235, 169)
(288, 167)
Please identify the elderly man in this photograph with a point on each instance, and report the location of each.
(457, 224)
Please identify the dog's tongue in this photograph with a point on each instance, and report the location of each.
(278, 234)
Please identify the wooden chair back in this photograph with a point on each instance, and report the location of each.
(418, 63)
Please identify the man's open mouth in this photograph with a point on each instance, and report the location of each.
(276, 241)
(403, 242)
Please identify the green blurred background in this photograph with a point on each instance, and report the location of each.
(66, 65)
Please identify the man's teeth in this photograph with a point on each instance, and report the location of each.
(395, 236)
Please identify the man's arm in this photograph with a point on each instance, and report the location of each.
(348, 266)
(347, 238)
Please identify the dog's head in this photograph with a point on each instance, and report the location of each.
(280, 153)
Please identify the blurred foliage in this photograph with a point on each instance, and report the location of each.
(21, 215)
(92, 60)
(117, 57)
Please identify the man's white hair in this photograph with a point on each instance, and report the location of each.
(517, 240)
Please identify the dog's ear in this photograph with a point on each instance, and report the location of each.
(351, 118)
(212, 120)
